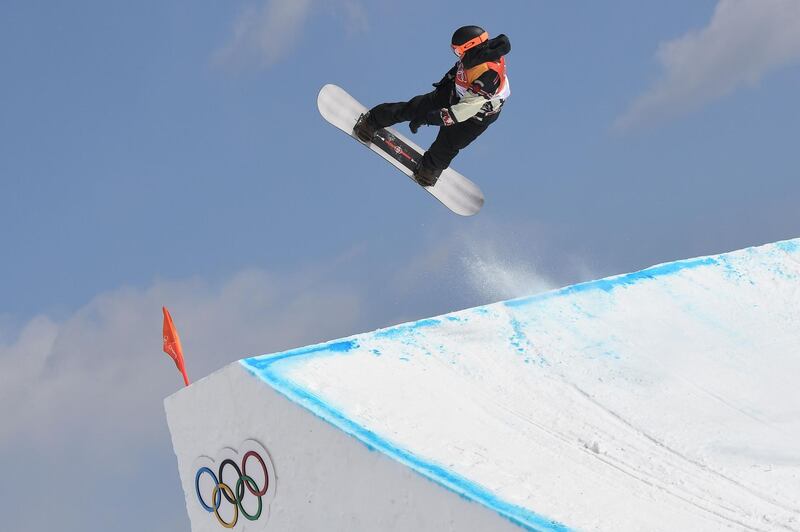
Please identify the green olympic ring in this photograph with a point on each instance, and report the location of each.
(240, 498)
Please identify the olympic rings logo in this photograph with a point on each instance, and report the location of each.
(243, 493)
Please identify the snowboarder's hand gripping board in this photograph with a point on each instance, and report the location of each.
(455, 191)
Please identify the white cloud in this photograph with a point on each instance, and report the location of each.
(355, 16)
(76, 379)
(744, 41)
(83, 396)
(265, 34)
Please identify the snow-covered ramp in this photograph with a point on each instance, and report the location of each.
(666, 399)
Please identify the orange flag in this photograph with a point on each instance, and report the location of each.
(172, 345)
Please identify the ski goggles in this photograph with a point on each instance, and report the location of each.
(461, 49)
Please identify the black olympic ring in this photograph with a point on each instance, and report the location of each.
(221, 481)
(233, 496)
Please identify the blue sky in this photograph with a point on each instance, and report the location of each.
(172, 153)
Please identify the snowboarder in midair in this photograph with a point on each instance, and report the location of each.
(464, 103)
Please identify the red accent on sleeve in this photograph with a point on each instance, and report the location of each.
(447, 120)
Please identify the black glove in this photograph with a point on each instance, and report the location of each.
(447, 79)
(415, 124)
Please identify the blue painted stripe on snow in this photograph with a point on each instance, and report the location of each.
(261, 368)
(401, 330)
(609, 284)
(341, 346)
(789, 246)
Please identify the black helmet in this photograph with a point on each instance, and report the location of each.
(467, 37)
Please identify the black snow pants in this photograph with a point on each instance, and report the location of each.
(449, 141)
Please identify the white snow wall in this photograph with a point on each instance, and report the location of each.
(666, 399)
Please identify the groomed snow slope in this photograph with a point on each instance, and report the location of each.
(667, 399)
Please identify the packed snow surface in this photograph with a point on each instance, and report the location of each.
(666, 399)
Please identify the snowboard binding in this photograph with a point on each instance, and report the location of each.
(425, 176)
(364, 129)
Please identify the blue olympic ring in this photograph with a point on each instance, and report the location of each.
(197, 488)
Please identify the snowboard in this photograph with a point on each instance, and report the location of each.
(455, 191)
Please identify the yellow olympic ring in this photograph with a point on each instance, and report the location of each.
(228, 491)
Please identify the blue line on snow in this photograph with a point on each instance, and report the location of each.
(789, 246)
(343, 346)
(608, 285)
(262, 368)
(403, 330)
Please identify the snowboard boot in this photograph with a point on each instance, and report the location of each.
(426, 176)
(365, 128)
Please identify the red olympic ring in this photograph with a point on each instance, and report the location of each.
(257, 456)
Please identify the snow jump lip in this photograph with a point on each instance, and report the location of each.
(264, 368)
(275, 371)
